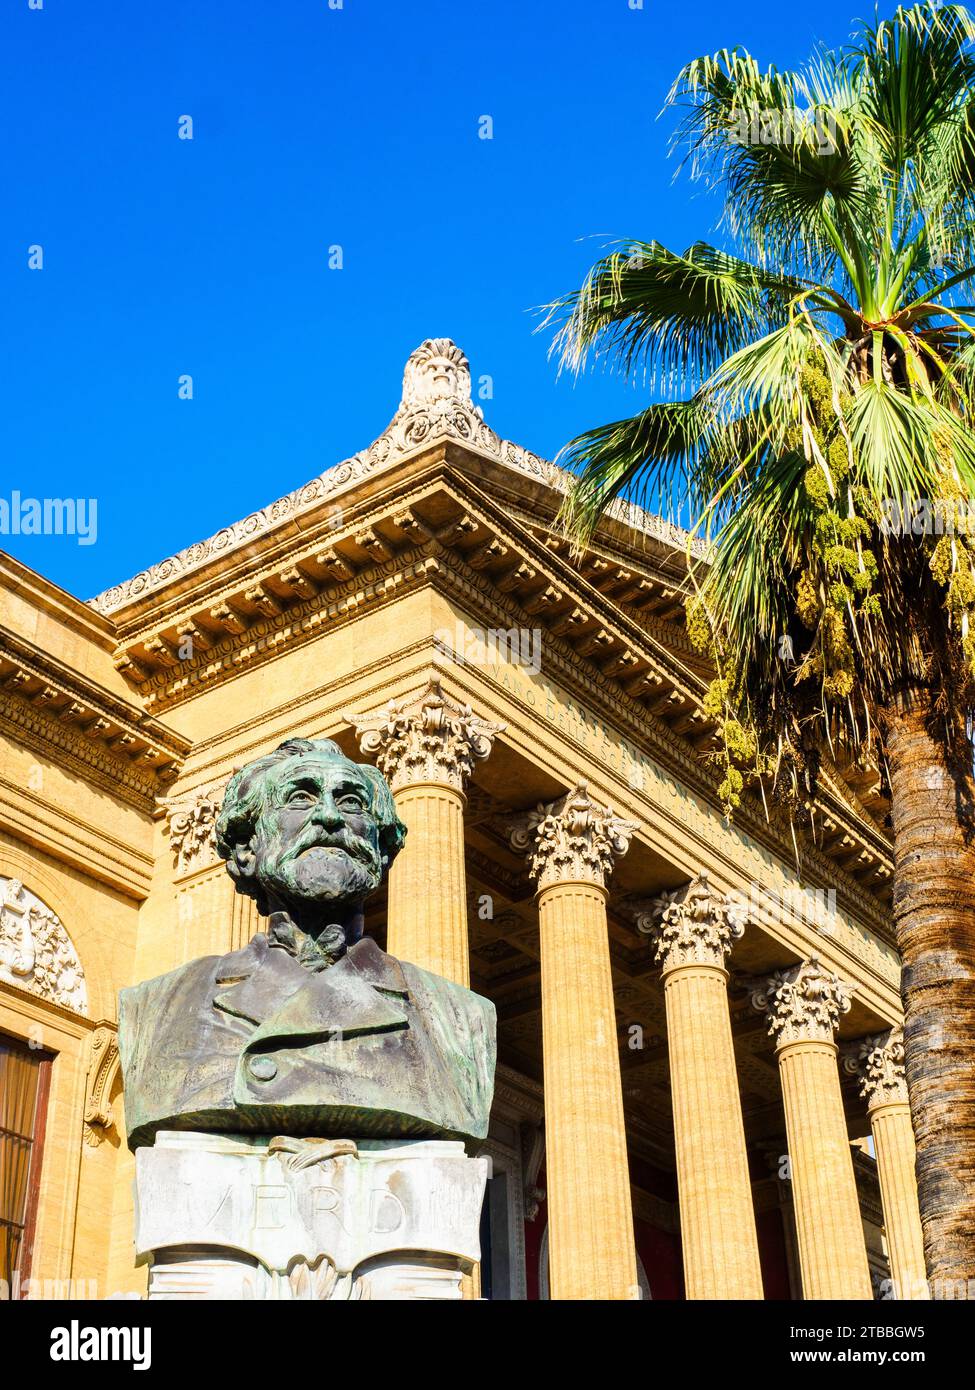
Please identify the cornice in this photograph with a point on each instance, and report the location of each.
(80, 617)
(48, 737)
(57, 713)
(416, 562)
(22, 663)
(232, 653)
(649, 731)
(657, 723)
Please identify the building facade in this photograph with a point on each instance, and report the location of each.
(700, 1091)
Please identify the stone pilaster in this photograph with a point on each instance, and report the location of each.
(691, 933)
(571, 845)
(804, 1005)
(427, 747)
(878, 1062)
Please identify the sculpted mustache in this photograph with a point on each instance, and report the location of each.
(353, 846)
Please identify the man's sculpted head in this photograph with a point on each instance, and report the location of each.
(309, 834)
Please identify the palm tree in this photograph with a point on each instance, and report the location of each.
(815, 392)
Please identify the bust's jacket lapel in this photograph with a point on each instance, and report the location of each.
(371, 964)
(363, 993)
(253, 983)
(284, 1050)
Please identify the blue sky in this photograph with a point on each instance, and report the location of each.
(313, 127)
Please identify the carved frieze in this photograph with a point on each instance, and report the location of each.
(572, 840)
(36, 952)
(34, 725)
(302, 621)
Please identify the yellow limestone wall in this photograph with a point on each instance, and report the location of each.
(75, 1210)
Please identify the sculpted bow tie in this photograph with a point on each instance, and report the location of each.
(314, 953)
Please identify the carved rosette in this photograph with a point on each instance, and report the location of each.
(191, 826)
(694, 925)
(429, 738)
(36, 952)
(804, 1003)
(573, 840)
(878, 1064)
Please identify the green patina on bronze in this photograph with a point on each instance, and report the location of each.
(311, 1029)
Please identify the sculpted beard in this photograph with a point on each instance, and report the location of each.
(323, 864)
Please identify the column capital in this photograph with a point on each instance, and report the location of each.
(803, 1003)
(878, 1064)
(693, 925)
(572, 840)
(426, 738)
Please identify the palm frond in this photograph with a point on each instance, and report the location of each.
(670, 314)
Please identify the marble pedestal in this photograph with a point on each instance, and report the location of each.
(220, 1216)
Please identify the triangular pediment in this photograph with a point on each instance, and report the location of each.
(436, 407)
(440, 499)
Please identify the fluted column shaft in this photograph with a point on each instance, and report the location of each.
(893, 1141)
(427, 747)
(804, 1006)
(692, 930)
(879, 1064)
(572, 844)
(427, 914)
(591, 1246)
(717, 1217)
(832, 1251)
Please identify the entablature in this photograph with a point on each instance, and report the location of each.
(438, 528)
(56, 711)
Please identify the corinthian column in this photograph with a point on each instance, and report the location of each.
(571, 846)
(692, 932)
(804, 1005)
(426, 747)
(879, 1064)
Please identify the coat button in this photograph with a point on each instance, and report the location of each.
(263, 1068)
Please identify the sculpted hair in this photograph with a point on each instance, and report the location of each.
(244, 799)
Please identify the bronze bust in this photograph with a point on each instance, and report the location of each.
(310, 1029)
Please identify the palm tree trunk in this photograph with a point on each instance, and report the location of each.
(933, 812)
